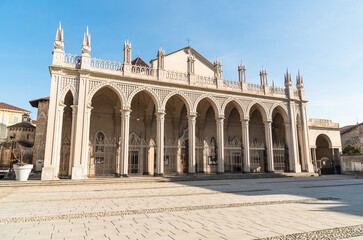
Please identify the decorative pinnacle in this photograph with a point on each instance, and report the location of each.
(299, 80)
(86, 47)
(59, 34)
(161, 51)
(287, 76)
(58, 42)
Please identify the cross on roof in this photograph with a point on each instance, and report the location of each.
(188, 40)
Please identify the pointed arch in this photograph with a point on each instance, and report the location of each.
(113, 87)
(182, 96)
(261, 107)
(151, 93)
(211, 100)
(64, 92)
(237, 103)
(283, 111)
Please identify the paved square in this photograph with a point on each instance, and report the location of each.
(329, 207)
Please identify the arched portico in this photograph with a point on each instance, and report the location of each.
(177, 158)
(143, 157)
(104, 133)
(261, 146)
(234, 131)
(325, 155)
(280, 136)
(67, 142)
(209, 129)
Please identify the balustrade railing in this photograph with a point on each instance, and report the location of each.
(72, 59)
(254, 87)
(142, 70)
(205, 80)
(105, 64)
(75, 61)
(232, 84)
(277, 90)
(180, 76)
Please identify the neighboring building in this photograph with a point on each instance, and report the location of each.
(9, 115)
(20, 140)
(176, 116)
(352, 134)
(325, 144)
(40, 134)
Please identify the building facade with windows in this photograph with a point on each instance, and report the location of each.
(9, 115)
(176, 115)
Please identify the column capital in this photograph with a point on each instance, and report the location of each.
(89, 110)
(160, 114)
(268, 121)
(125, 111)
(245, 123)
(61, 104)
(220, 118)
(192, 114)
(245, 120)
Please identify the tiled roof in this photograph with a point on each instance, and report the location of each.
(349, 127)
(22, 125)
(139, 62)
(12, 108)
(35, 102)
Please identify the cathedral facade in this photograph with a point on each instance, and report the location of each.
(174, 116)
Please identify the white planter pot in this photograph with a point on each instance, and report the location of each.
(22, 172)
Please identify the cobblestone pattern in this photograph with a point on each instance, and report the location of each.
(215, 209)
(140, 196)
(154, 210)
(326, 234)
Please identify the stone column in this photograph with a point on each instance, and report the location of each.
(125, 128)
(58, 139)
(220, 143)
(305, 139)
(302, 153)
(85, 146)
(269, 146)
(160, 117)
(81, 142)
(333, 160)
(48, 171)
(290, 145)
(246, 146)
(314, 158)
(73, 130)
(191, 141)
(293, 143)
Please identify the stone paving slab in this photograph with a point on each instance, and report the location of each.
(278, 208)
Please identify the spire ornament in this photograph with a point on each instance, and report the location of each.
(288, 82)
(58, 42)
(86, 46)
(299, 81)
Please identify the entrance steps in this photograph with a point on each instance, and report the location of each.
(147, 178)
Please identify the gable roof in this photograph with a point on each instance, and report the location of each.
(5, 106)
(191, 49)
(35, 102)
(139, 62)
(347, 128)
(23, 125)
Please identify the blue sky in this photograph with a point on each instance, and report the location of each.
(324, 39)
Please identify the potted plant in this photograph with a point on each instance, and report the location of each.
(21, 169)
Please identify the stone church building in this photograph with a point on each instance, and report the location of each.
(176, 115)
